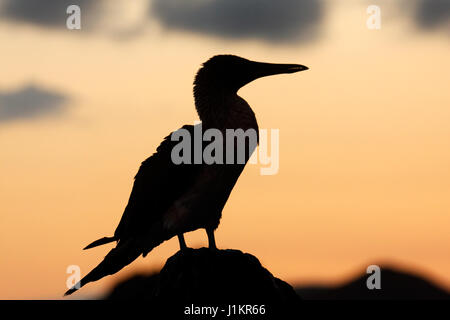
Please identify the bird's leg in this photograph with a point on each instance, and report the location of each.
(211, 239)
(182, 242)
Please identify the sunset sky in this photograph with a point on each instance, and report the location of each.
(364, 158)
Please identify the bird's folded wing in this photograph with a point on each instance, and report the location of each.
(158, 183)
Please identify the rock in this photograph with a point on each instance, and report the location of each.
(214, 277)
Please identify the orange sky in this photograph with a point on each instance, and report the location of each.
(364, 151)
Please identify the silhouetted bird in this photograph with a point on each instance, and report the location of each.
(170, 199)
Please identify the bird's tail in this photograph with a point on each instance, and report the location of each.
(115, 260)
(100, 242)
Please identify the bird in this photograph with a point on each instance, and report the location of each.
(169, 199)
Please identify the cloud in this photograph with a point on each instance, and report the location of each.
(432, 14)
(267, 20)
(49, 13)
(30, 102)
(120, 19)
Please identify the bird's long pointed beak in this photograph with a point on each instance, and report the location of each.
(263, 69)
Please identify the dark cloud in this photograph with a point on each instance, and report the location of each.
(432, 14)
(49, 13)
(269, 20)
(30, 102)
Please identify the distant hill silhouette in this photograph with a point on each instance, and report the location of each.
(395, 285)
(229, 276)
(211, 276)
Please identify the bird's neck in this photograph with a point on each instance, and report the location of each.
(223, 109)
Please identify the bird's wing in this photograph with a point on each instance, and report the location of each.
(163, 198)
(158, 183)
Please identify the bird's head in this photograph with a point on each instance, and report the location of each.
(231, 72)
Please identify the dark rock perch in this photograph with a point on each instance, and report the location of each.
(215, 277)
